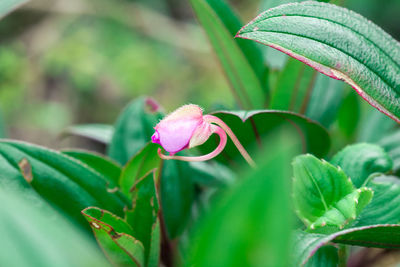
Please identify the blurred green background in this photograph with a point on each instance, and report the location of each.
(81, 61)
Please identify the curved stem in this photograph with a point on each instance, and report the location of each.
(242, 150)
(220, 147)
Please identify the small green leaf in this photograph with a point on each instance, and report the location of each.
(138, 166)
(99, 132)
(114, 235)
(361, 160)
(338, 43)
(106, 167)
(133, 129)
(252, 127)
(33, 234)
(6, 6)
(249, 224)
(64, 182)
(323, 196)
(241, 61)
(378, 236)
(143, 218)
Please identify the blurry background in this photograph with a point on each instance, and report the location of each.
(81, 61)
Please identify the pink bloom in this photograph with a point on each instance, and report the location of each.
(187, 127)
(183, 128)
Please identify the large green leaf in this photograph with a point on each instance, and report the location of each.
(380, 236)
(106, 167)
(375, 126)
(361, 160)
(338, 43)
(7, 6)
(64, 182)
(384, 207)
(249, 224)
(98, 132)
(177, 192)
(133, 129)
(33, 234)
(114, 235)
(138, 166)
(253, 126)
(323, 196)
(241, 61)
(143, 218)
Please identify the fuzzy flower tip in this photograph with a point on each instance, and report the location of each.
(184, 128)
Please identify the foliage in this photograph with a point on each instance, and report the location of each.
(341, 189)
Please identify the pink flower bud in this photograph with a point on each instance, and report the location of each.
(183, 128)
(186, 127)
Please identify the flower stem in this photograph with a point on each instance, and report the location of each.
(220, 147)
(236, 142)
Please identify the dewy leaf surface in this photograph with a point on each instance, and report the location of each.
(323, 196)
(338, 43)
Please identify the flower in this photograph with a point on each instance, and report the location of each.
(187, 127)
(184, 128)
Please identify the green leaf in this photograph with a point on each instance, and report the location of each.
(143, 218)
(384, 207)
(379, 236)
(211, 174)
(293, 87)
(326, 256)
(375, 126)
(249, 225)
(64, 182)
(253, 126)
(323, 196)
(177, 193)
(105, 166)
(391, 144)
(6, 6)
(133, 129)
(114, 235)
(241, 61)
(33, 234)
(361, 160)
(98, 132)
(325, 101)
(338, 43)
(349, 115)
(138, 166)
